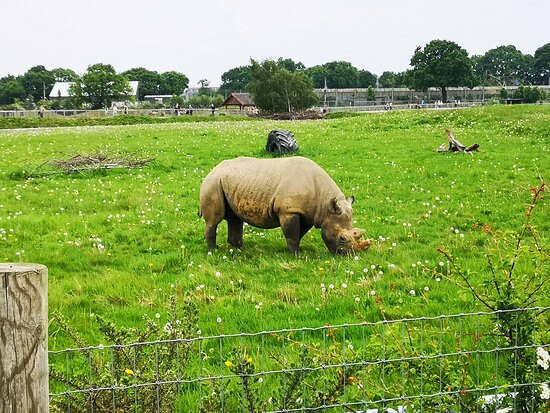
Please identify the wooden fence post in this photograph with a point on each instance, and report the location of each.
(23, 338)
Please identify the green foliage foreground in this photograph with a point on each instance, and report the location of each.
(118, 243)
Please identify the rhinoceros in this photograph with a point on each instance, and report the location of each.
(293, 193)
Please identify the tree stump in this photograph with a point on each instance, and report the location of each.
(456, 146)
(24, 338)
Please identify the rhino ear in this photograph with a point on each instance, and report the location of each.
(333, 206)
(350, 199)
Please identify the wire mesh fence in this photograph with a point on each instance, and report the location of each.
(475, 362)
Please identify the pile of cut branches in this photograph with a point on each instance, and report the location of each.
(79, 163)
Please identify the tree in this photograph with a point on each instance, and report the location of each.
(64, 75)
(391, 79)
(541, 65)
(367, 79)
(290, 65)
(204, 89)
(235, 80)
(318, 75)
(441, 64)
(504, 65)
(38, 81)
(371, 94)
(100, 86)
(11, 89)
(502, 95)
(173, 83)
(338, 74)
(149, 81)
(276, 89)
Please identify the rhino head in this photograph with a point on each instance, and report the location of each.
(337, 231)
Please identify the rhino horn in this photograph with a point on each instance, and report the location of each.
(334, 207)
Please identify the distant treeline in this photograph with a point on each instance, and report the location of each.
(501, 66)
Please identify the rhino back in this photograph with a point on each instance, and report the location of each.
(259, 190)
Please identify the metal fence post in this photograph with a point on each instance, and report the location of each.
(24, 338)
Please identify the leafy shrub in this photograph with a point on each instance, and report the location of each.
(518, 272)
(122, 366)
(204, 101)
(312, 374)
(530, 94)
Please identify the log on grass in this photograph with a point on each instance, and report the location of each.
(456, 146)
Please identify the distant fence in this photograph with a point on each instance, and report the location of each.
(448, 363)
(405, 106)
(357, 107)
(102, 113)
(81, 113)
(359, 96)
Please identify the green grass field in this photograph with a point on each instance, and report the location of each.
(119, 242)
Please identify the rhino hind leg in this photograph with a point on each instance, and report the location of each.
(213, 211)
(234, 228)
(210, 235)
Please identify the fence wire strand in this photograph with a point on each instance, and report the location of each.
(459, 362)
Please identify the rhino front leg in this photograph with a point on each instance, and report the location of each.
(291, 230)
(304, 228)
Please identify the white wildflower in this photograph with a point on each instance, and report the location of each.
(543, 358)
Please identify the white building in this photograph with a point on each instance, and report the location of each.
(60, 90)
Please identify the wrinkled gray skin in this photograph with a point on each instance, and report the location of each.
(294, 193)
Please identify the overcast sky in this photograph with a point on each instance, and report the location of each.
(205, 38)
